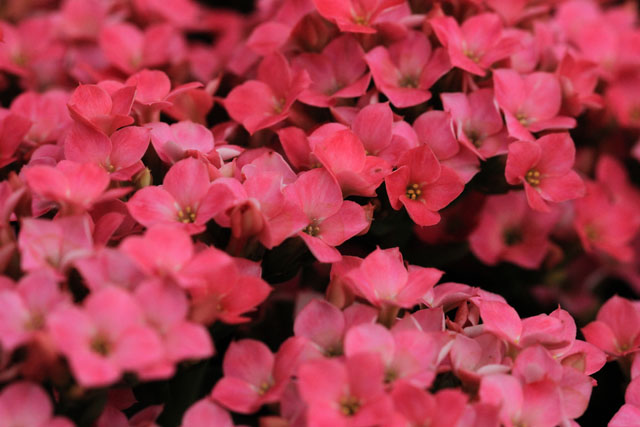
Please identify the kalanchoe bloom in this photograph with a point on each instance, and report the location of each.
(616, 329)
(179, 140)
(26, 308)
(183, 199)
(544, 167)
(338, 72)
(477, 122)
(419, 407)
(103, 109)
(250, 378)
(344, 156)
(206, 413)
(383, 280)
(422, 186)
(13, 128)
(324, 324)
(161, 252)
(130, 49)
(530, 103)
(119, 154)
(605, 225)
(535, 404)
(509, 231)
(47, 113)
(407, 69)
(345, 393)
(434, 129)
(105, 338)
(578, 78)
(153, 93)
(27, 404)
(259, 104)
(475, 45)
(220, 288)
(331, 220)
(54, 245)
(503, 321)
(109, 267)
(353, 15)
(473, 358)
(74, 187)
(408, 356)
(181, 339)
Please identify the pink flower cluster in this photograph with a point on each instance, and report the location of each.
(271, 200)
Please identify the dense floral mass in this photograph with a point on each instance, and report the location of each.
(319, 213)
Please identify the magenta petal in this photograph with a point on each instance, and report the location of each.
(350, 220)
(322, 323)
(85, 144)
(322, 251)
(129, 145)
(138, 348)
(237, 395)
(188, 182)
(205, 413)
(153, 205)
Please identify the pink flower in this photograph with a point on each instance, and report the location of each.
(13, 128)
(338, 72)
(249, 379)
(536, 404)
(205, 413)
(105, 338)
(259, 104)
(407, 69)
(119, 154)
(161, 252)
(419, 407)
(181, 339)
(183, 199)
(530, 103)
(220, 289)
(348, 393)
(477, 122)
(102, 107)
(131, 49)
(26, 404)
(325, 325)
(54, 245)
(422, 186)
(331, 220)
(179, 140)
(475, 45)
(354, 16)
(503, 321)
(509, 231)
(153, 93)
(344, 156)
(408, 355)
(26, 308)
(47, 113)
(382, 279)
(74, 187)
(616, 329)
(544, 167)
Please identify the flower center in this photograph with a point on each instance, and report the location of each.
(186, 215)
(312, 229)
(413, 191)
(522, 118)
(100, 344)
(409, 82)
(512, 236)
(349, 405)
(533, 177)
(264, 387)
(473, 56)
